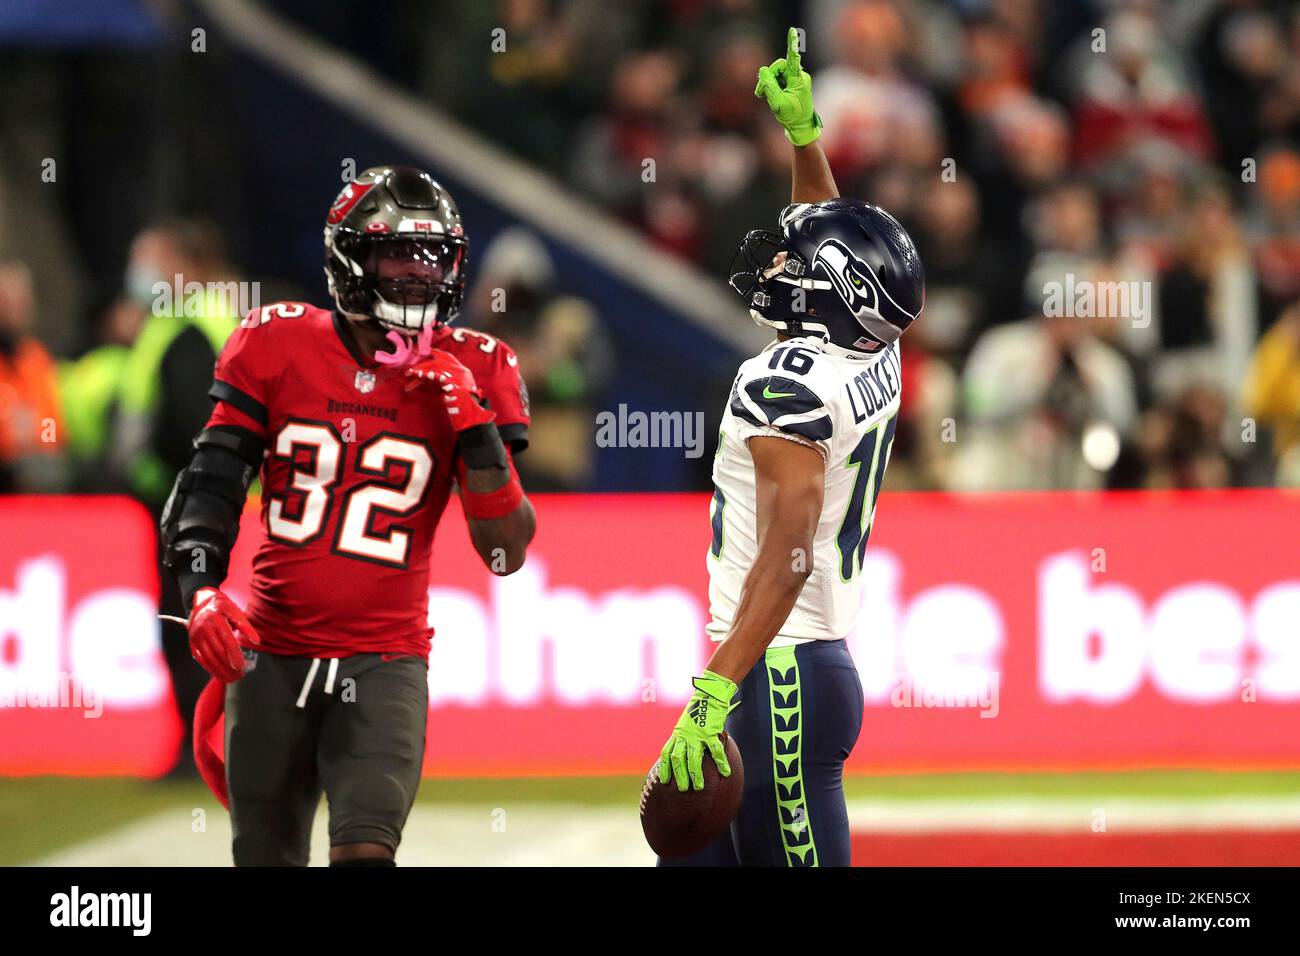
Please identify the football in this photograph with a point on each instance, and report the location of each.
(678, 824)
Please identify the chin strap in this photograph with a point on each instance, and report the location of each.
(405, 353)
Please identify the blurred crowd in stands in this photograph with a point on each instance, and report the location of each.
(1105, 194)
(1026, 146)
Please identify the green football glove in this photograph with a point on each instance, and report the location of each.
(698, 727)
(791, 103)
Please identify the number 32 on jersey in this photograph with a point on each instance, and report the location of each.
(299, 515)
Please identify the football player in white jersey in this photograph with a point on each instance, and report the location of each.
(804, 444)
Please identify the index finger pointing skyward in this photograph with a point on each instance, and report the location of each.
(793, 65)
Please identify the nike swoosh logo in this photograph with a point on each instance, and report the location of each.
(768, 393)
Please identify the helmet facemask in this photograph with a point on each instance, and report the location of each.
(766, 274)
(404, 282)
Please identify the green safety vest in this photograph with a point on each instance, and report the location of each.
(141, 384)
(87, 389)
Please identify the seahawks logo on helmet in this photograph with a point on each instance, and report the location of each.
(861, 291)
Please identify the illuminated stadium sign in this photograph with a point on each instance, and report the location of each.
(1001, 632)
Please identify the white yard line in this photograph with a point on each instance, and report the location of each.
(1057, 814)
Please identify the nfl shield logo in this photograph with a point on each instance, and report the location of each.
(365, 381)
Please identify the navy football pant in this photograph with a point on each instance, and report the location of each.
(799, 716)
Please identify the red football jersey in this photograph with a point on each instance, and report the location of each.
(357, 472)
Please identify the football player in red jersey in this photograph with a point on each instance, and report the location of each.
(360, 421)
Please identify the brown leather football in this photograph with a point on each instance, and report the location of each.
(678, 824)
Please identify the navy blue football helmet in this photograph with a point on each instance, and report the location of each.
(841, 269)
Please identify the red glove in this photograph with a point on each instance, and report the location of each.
(460, 393)
(212, 640)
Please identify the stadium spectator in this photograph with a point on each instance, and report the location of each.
(163, 402)
(971, 281)
(619, 154)
(1184, 443)
(163, 399)
(1023, 148)
(88, 391)
(1207, 301)
(513, 90)
(1032, 390)
(1066, 230)
(1148, 216)
(564, 356)
(1133, 91)
(927, 431)
(30, 426)
(996, 68)
(1272, 392)
(1275, 230)
(865, 99)
(1249, 53)
(755, 204)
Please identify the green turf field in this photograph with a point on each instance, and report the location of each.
(39, 815)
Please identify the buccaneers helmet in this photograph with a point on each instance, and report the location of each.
(395, 249)
(842, 269)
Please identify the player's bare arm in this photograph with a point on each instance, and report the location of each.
(812, 179)
(789, 483)
(502, 542)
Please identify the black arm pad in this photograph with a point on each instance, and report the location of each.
(200, 521)
(481, 447)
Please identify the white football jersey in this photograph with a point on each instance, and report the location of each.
(842, 403)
